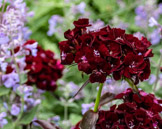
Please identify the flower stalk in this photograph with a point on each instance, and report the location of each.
(20, 114)
(98, 98)
(157, 74)
(131, 84)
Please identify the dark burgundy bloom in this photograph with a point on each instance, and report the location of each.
(108, 51)
(97, 77)
(82, 23)
(138, 111)
(44, 69)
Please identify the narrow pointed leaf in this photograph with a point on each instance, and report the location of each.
(106, 98)
(81, 88)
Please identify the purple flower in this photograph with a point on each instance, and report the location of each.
(15, 110)
(31, 14)
(32, 48)
(53, 21)
(140, 21)
(26, 33)
(160, 8)
(36, 102)
(155, 37)
(152, 79)
(10, 80)
(5, 105)
(81, 7)
(139, 35)
(3, 66)
(97, 25)
(114, 87)
(3, 121)
(144, 12)
(3, 114)
(30, 101)
(72, 90)
(140, 10)
(55, 119)
(3, 39)
(153, 22)
(86, 107)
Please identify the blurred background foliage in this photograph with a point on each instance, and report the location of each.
(116, 13)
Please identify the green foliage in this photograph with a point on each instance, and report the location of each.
(4, 90)
(27, 117)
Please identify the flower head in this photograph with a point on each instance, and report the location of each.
(137, 111)
(106, 51)
(44, 69)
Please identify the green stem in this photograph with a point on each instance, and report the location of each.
(98, 98)
(20, 114)
(66, 111)
(131, 84)
(17, 67)
(157, 74)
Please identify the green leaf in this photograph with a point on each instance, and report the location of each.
(27, 117)
(74, 118)
(8, 126)
(23, 78)
(73, 105)
(4, 90)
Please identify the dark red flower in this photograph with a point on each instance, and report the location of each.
(106, 51)
(44, 69)
(138, 111)
(81, 23)
(67, 58)
(97, 77)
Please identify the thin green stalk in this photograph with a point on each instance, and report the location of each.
(17, 68)
(157, 74)
(20, 114)
(3, 8)
(22, 97)
(66, 111)
(98, 98)
(131, 84)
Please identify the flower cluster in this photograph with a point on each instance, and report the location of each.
(138, 111)
(31, 99)
(3, 121)
(12, 37)
(44, 69)
(106, 51)
(143, 13)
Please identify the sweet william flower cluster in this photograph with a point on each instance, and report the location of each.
(108, 51)
(136, 112)
(44, 69)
